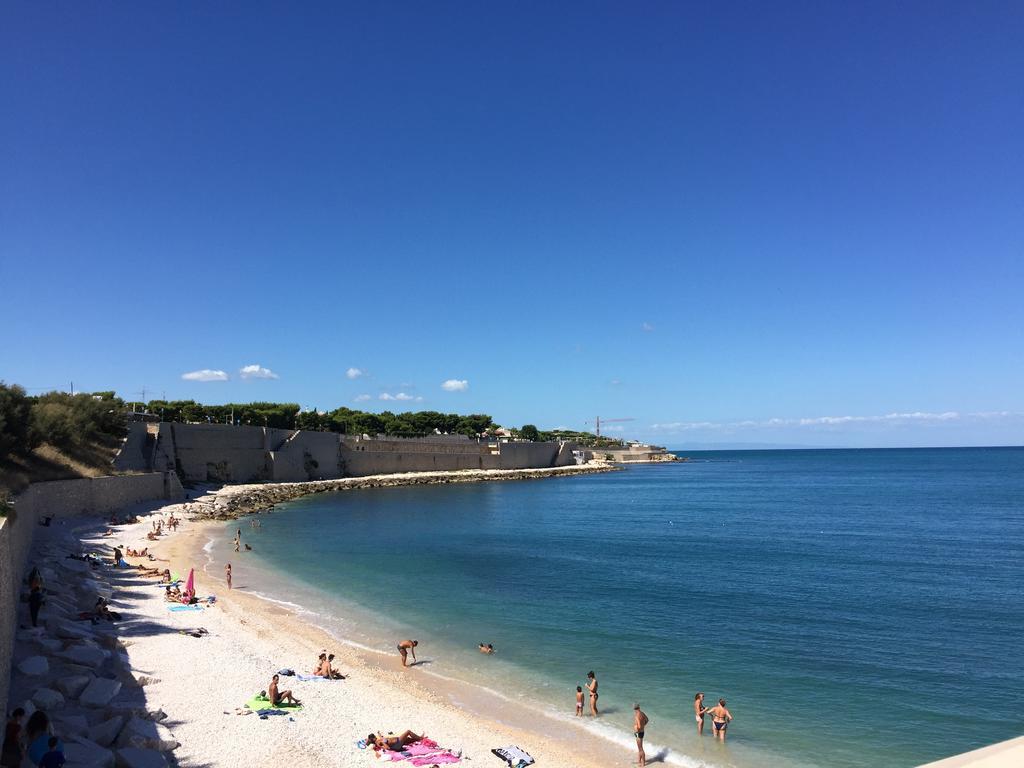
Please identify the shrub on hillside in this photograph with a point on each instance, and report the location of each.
(15, 413)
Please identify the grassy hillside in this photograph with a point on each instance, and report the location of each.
(46, 462)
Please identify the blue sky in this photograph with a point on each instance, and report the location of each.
(800, 224)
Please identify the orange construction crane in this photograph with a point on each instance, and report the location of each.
(598, 421)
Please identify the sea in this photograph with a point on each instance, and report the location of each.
(853, 607)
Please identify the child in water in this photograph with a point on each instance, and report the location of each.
(579, 701)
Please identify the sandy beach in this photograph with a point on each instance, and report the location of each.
(202, 682)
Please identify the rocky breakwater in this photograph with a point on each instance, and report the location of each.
(73, 676)
(235, 501)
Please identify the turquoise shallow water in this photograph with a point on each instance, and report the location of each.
(854, 607)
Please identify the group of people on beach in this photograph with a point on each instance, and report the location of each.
(324, 667)
(720, 715)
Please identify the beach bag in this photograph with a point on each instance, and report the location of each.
(514, 756)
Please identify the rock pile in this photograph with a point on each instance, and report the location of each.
(78, 673)
(243, 500)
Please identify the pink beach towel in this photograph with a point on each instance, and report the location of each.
(424, 752)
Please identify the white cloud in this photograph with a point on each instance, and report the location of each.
(362, 398)
(615, 382)
(400, 396)
(455, 385)
(911, 417)
(646, 327)
(205, 374)
(616, 428)
(257, 372)
(355, 373)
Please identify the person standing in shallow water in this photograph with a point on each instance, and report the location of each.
(227, 574)
(720, 719)
(592, 687)
(698, 712)
(640, 721)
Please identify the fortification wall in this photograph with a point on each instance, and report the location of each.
(15, 540)
(60, 498)
(233, 454)
(307, 456)
(218, 453)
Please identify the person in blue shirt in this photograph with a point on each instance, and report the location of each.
(54, 758)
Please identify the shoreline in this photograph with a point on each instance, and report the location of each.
(385, 697)
(200, 682)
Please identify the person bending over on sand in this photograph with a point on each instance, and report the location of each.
(639, 724)
(699, 710)
(488, 648)
(394, 743)
(720, 718)
(592, 687)
(405, 648)
(279, 697)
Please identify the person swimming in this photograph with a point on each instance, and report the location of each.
(486, 648)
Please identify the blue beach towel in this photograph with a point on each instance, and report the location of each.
(177, 608)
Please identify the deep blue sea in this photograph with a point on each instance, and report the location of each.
(854, 607)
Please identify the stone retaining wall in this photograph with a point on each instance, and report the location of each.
(60, 498)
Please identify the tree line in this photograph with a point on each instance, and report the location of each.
(68, 421)
(62, 420)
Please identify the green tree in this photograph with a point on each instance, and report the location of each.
(15, 420)
(529, 432)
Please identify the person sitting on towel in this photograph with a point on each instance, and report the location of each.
(328, 670)
(394, 743)
(277, 698)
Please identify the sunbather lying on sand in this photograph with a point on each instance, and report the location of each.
(153, 573)
(392, 742)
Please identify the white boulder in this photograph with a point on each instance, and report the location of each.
(72, 685)
(86, 655)
(105, 732)
(99, 692)
(47, 698)
(34, 666)
(82, 753)
(147, 734)
(133, 757)
(70, 726)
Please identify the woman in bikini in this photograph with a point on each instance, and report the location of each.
(720, 718)
(592, 687)
(393, 743)
(699, 711)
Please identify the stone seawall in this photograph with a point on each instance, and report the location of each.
(219, 453)
(60, 499)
